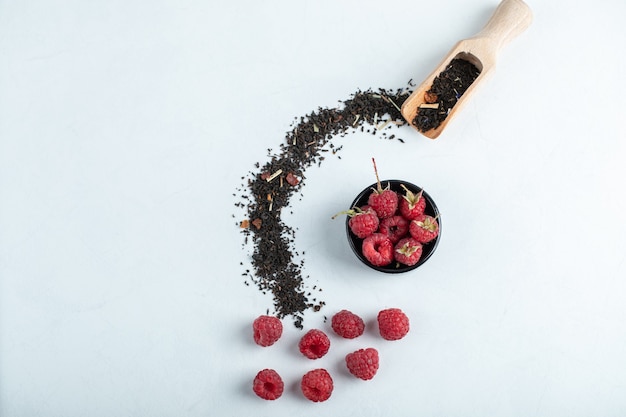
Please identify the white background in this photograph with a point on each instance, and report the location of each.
(125, 129)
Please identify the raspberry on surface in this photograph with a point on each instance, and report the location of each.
(266, 330)
(363, 363)
(393, 324)
(347, 324)
(314, 344)
(317, 385)
(378, 249)
(268, 384)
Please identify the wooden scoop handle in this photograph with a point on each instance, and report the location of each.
(510, 18)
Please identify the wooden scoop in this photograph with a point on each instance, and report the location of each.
(510, 18)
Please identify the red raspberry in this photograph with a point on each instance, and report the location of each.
(267, 330)
(384, 202)
(347, 324)
(363, 221)
(378, 249)
(268, 384)
(393, 324)
(408, 251)
(314, 344)
(424, 228)
(411, 205)
(395, 227)
(317, 385)
(363, 363)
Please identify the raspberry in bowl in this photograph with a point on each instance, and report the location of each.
(408, 231)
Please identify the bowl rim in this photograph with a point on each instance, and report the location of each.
(395, 267)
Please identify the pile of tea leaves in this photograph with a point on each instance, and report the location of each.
(447, 89)
(267, 191)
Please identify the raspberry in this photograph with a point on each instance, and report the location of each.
(363, 221)
(408, 251)
(411, 205)
(314, 344)
(424, 228)
(347, 324)
(363, 363)
(266, 330)
(393, 324)
(395, 227)
(268, 384)
(317, 385)
(378, 249)
(383, 200)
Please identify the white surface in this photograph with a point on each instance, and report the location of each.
(125, 127)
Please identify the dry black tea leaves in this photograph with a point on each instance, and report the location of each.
(443, 95)
(269, 189)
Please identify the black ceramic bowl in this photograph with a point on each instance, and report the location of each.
(428, 248)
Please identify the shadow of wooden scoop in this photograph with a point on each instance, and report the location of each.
(510, 18)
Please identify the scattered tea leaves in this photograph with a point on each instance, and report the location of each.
(275, 269)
